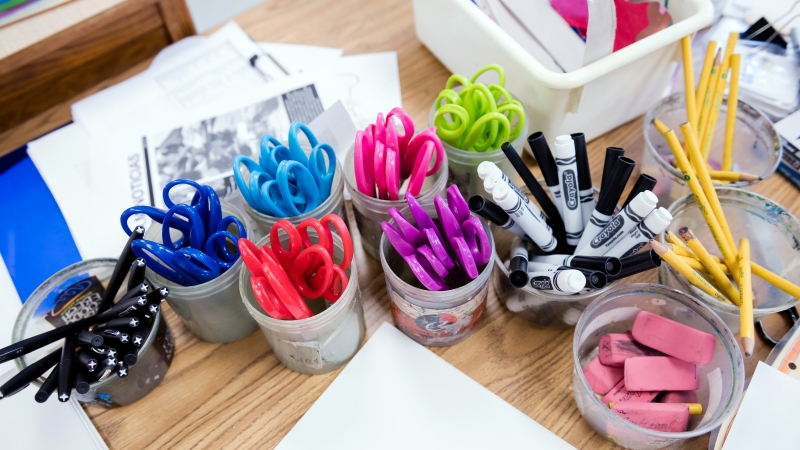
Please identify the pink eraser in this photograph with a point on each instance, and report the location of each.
(660, 373)
(615, 348)
(602, 378)
(666, 417)
(673, 338)
(619, 394)
(679, 397)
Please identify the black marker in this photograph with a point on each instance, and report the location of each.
(81, 383)
(535, 188)
(640, 262)
(66, 369)
(25, 376)
(121, 269)
(122, 369)
(121, 322)
(487, 209)
(595, 279)
(138, 290)
(548, 167)
(644, 183)
(609, 196)
(139, 336)
(48, 386)
(87, 361)
(86, 337)
(584, 177)
(518, 266)
(116, 336)
(136, 273)
(157, 296)
(606, 264)
(129, 356)
(612, 154)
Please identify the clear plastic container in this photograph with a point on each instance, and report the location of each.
(542, 309)
(434, 318)
(773, 233)
(212, 311)
(72, 294)
(334, 204)
(756, 149)
(721, 382)
(463, 165)
(370, 212)
(321, 343)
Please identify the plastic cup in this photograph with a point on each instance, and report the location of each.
(212, 311)
(721, 382)
(433, 318)
(334, 204)
(773, 233)
(72, 294)
(321, 343)
(540, 308)
(756, 148)
(463, 165)
(370, 212)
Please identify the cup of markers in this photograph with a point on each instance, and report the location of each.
(300, 283)
(190, 248)
(473, 120)
(289, 180)
(437, 259)
(387, 162)
(549, 267)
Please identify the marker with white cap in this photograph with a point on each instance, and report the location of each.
(489, 169)
(534, 227)
(560, 282)
(492, 181)
(655, 223)
(594, 279)
(616, 228)
(564, 149)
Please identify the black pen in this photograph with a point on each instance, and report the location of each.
(87, 361)
(140, 289)
(122, 369)
(49, 385)
(82, 384)
(116, 324)
(116, 336)
(129, 355)
(86, 337)
(25, 376)
(136, 273)
(121, 269)
(66, 369)
(139, 336)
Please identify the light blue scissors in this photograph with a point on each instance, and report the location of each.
(202, 252)
(285, 182)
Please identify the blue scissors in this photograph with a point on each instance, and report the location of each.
(202, 252)
(285, 182)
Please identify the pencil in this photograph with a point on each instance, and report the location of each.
(695, 264)
(705, 74)
(708, 96)
(730, 120)
(722, 281)
(688, 79)
(660, 126)
(746, 298)
(675, 240)
(719, 92)
(690, 274)
(724, 175)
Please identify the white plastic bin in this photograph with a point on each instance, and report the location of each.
(592, 100)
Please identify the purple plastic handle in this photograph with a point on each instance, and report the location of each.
(458, 206)
(477, 240)
(464, 255)
(450, 225)
(420, 215)
(438, 247)
(407, 229)
(437, 265)
(395, 237)
(420, 267)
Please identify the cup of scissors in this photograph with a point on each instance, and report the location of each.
(305, 295)
(290, 181)
(473, 121)
(191, 249)
(383, 166)
(437, 266)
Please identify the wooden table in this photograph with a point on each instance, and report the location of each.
(240, 396)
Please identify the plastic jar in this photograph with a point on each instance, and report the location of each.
(773, 233)
(212, 311)
(756, 148)
(323, 342)
(370, 212)
(463, 165)
(434, 318)
(721, 382)
(333, 204)
(79, 287)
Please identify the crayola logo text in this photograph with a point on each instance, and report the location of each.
(541, 283)
(608, 232)
(570, 189)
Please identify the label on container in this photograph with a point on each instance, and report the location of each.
(305, 353)
(76, 299)
(437, 326)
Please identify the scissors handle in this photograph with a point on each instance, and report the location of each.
(477, 240)
(286, 257)
(314, 259)
(268, 300)
(323, 176)
(363, 161)
(344, 235)
(294, 143)
(408, 230)
(197, 264)
(197, 232)
(161, 260)
(408, 126)
(217, 248)
(196, 200)
(418, 173)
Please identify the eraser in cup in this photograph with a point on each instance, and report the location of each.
(615, 348)
(673, 338)
(660, 373)
(602, 378)
(665, 417)
(618, 394)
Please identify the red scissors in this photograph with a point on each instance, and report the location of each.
(282, 276)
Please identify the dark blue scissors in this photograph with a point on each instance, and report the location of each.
(285, 182)
(202, 252)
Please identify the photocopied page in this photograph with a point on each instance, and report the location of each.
(296, 58)
(398, 393)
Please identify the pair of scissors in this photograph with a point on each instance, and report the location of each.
(478, 117)
(282, 277)
(202, 252)
(384, 158)
(285, 182)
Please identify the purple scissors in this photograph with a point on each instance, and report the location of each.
(468, 240)
(428, 274)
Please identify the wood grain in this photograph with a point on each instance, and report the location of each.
(239, 396)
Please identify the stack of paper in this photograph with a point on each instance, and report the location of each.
(203, 101)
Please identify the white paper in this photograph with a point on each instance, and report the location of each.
(396, 394)
(295, 58)
(550, 30)
(514, 28)
(369, 84)
(30, 425)
(767, 417)
(789, 128)
(335, 127)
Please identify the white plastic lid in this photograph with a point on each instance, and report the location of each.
(571, 281)
(564, 146)
(490, 183)
(644, 203)
(502, 196)
(658, 220)
(487, 169)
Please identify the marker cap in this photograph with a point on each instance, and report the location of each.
(582, 159)
(502, 195)
(608, 264)
(564, 147)
(644, 183)
(544, 158)
(571, 280)
(644, 203)
(614, 185)
(612, 154)
(658, 220)
(487, 169)
(490, 183)
(640, 262)
(485, 208)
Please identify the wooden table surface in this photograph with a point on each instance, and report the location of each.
(240, 396)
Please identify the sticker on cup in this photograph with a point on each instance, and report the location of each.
(437, 326)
